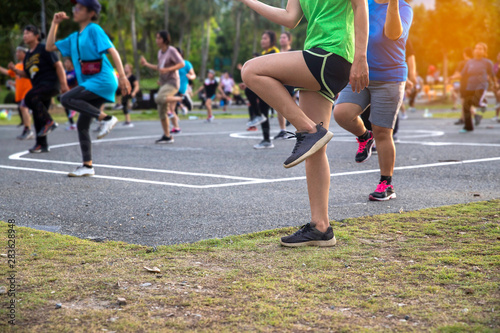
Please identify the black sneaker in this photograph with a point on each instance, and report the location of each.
(186, 100)
(165, 140)
(477, 119)
(364, 149)
(308, 235)
(49, 127)
(383, 192)
(281, 136)
(308, 144)
(37, 149)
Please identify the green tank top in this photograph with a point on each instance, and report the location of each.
(330, 26)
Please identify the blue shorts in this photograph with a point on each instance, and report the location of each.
(383, 98)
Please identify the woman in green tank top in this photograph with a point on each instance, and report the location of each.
(334, 55)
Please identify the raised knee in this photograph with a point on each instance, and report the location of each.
(247, 72)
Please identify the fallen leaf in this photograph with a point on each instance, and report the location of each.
(152, 270)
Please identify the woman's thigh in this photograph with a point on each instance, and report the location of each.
(289, 68)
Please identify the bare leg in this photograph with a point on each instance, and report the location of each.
(175, 118)
(26, 116)
(282, 122)
(166, 126)
(318, 109)
(266, 76)
(385, 148)
(127, 118)
(208, 104)
(347, 116)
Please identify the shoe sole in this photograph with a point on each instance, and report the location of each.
(369, 154)
(314, 149)
(48, 132)
(328, 243)
(257, 124)
(109, 131)
(164, 142)
(392, 196)
(261, 148)
(72, 175)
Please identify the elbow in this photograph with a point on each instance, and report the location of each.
(394, 36)
(50, 48)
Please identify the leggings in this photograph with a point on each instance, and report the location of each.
(38, 99)
(125, 100)
(88, 104)
(471, 98)
(266, 128)
(253, 99)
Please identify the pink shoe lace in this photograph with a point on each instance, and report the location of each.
(382, 187)
(362, 144)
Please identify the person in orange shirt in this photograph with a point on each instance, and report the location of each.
(23, 85)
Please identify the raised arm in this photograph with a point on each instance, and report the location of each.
(4, 71)
(288, 17)
(393, 28)
(359, 70)
(123, 82)
(21, 73)
(50, 46)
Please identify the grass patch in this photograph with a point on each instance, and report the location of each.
(430, 270)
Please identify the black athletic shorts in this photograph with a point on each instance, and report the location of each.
(330, 70)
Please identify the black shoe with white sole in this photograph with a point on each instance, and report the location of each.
(364, 149)
(383, 192)
(308, 235)
(37, 149)
(308, 144)
(165, 140)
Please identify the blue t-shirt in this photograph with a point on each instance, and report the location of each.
(476, 72)
(387, 58)
(183, 76)
(94, 44)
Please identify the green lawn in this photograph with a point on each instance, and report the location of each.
(431, 270)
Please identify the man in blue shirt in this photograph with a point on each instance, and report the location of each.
(390, 22)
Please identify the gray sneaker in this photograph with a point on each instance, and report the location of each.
(27, 135)
(264, 145)
(256, 121)
(308, 144)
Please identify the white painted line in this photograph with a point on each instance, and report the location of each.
(261, 181)
(466, 144)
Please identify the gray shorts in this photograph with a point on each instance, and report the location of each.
(384, 99)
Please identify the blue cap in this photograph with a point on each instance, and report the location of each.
(90, 4)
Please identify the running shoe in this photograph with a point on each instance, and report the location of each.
(404, 116)
(252, 129)
(49, 127)
(118, 106)
(364, 149)
(383, 192)
(308, 235)
(459, 122)
(395, 138)
(82, 171)
(128, 125)
(165, 140)
(374, 149)
(71, 127)
(413, 110)
(171, 115)
(308, 144)
(175, 130)
(187, 101)
(210, 120)
(256, 121)
(281, 136)
(264, 145)
(26, 135)
(477, 119)
(107, 126)
(37, 149)
(464, 131)
(21, 124)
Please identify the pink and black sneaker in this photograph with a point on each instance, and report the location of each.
(383, 192)
(364, 149)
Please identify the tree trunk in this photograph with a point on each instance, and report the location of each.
(167, 15)
(134, 40)
(445, 72)
(236, 50)
(187, 53)
(255, 18)
(205, 50)
(121, 45)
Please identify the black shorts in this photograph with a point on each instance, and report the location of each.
(330, 70)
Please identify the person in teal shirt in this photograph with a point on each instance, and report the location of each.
(97, 83)
(334, 54)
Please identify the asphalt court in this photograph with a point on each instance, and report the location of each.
(211, 183)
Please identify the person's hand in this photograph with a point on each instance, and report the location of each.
(409, 85)
(359, 79)
(143, 61)
(133, 95)
(11, 66)
(59, 17)
(64, 88)
(239, 67)
(124, 85)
